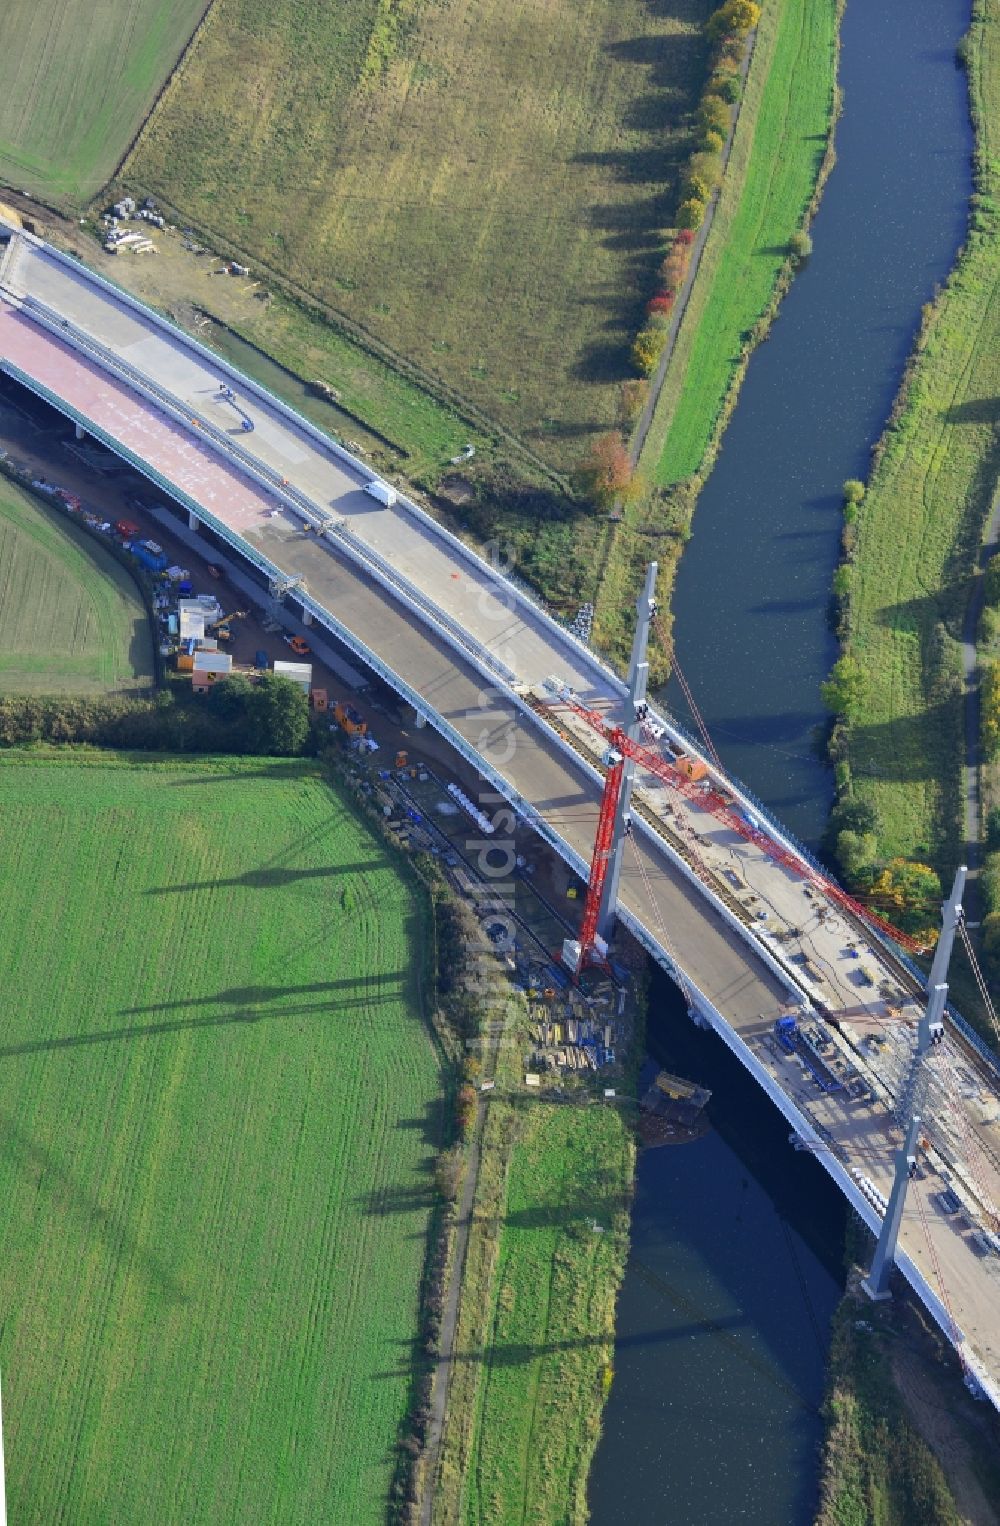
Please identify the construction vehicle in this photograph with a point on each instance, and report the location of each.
(220, 630)
(299, 647)
(402, 758)
(349, 719)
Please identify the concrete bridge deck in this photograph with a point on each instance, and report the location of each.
(466, 649)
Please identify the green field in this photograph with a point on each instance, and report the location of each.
(777, 166)
(220, 1109)
(76, 82)
(71, 619)
(778, 146)
(919, 526)
(483, 189)
(534, 1345)
(550, 1340)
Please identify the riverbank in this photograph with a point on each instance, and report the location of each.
(910, 550)
(905, 1442)
(533, 1346)
(781, 153)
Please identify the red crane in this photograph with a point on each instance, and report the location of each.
(710, 797)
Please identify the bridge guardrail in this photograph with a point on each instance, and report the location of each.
(404, 588)
(529, 814)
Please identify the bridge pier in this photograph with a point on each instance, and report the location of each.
(194, 523)
(79, 431)
(307, 618)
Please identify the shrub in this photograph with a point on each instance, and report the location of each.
(661, 303)
(990, 708)
(465, 1108)
(605, 474)
(674, 267)
(712, 141)
(714, 114)
(684, 237)
(842, 689)
(690, 214)
(647, 348)
(726, 86)
(991, 581)
(632, 399)
(856, 852)
(696, 187)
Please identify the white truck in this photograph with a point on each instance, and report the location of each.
(381, 492)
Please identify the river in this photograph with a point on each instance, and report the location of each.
(735, 1263)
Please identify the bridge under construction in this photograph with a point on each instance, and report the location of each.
(896, 1097)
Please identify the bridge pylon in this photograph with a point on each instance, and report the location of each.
(930, 1031)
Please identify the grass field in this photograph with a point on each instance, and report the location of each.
(926, 505)
(534, 1342)
(542, 1377)
(779, 143)
(220, 1108)
(773, 173)
(483, 189)
(71, 619)
(76, 82)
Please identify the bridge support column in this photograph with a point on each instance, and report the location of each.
(929, 1032)
(194, 523)
(635, 709)
(307, 618)
(79, 431)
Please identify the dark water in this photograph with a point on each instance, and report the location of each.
(724, 1314)
(735, 1265)
(753, 588)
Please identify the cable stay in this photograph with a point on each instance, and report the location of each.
(980, 980)
(661, 926)
(956, 1334)
(710, 796)
(689, 698)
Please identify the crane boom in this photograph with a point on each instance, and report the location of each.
(708, 795)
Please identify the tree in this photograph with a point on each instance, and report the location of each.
(800, 245)
(661, 303)
(853, 814)
(856, 851)
(673, 267)
(854, 491)
(449, 1168)
(230, 698)
(605, 474)
(736, 16)
(690, 214)
(714, 115)
(277, 715)
(844, 687)
(712, 141)
(908, 893)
